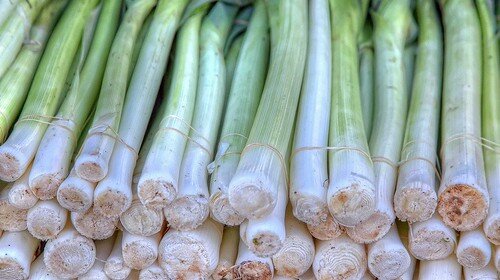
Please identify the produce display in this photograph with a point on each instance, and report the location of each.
(249, 139)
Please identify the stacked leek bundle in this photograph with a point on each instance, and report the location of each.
(233, 139)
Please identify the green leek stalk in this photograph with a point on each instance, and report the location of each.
(463, 198)
(158, 182)
(14, 85)
(46, 91)
(366, 78)
(6, 8)
(244, 97)
(75, 193)
(16, 28)
(53, 158)
(190, 207)
(409, 57)
(415, 199)
(240, 24)
(231, 61)
(351, 190)
(92, 163)
(113, 195)
(491, 117)
(391, 29)
(253, 191)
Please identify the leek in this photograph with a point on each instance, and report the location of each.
(6, 8)
(113, 195)
(53, 158)
(158, 181)
(46, 91)
(432, 239)
(190, 207)
(443, 269)
(491, 117)
(308, 169)
(487, 272)
(228, 252)
(391, 26)
(14, 85)
(473, 249)
(138, 251)
(17, 250)
(253, 191)
(366, 78)
(115, 267)
(463, 196)
(13, 32)
(92, 163)
(93, 225)
(244, 97)
(103, 249)
(351, 190)
(415, 198)
(250, 266)
(46, 219)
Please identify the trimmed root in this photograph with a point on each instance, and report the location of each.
(294, 258)
(223, 212)
(311, 210)
(492, 229)
(250, 270)
(389, 264)
(138, 255)
(156, 194)
(327, 230)
(472, 258)
(462, 207)
(10, 167)
(265, 244)
(116, 269)
(371, 230)
(352, 205)
(22, 197)
(415, 202)
(45, 222)
(91, 171)
(141, 220)
(431, 244)
(93, 225)
(45, 186)
(340, 261)
(153, 272)
(252, 201)
(111, 203)
(11, 269)
(69, 258)
(12, 218)
(187, 213)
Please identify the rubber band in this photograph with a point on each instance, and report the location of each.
(386, 161)
(483, 142)
(334, 149)
(434, 164)
(51, 120)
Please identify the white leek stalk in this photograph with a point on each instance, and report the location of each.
(463, 195)
(13, 32)
(152, 272)
(158, 182)
(20, 194)
(250, 266)
(46, 91)
(39, 271)
(70, 254)
(388, 258)
(46, 219)
(308, 168)
(94, 225)
(326, 230)
(265, 236)
(190, 207)
(432, 239)
(103, 249)
(415, 198)
(191, 254)
(297, 253)
(244, 96)
(391, 24)
(6, 8)
(228, 252)
(115, 267)
(92, 163)
(14, 85)
(366, 77)
(491, 117)
(473, 249)
(11, 217)
(138, 251)
(339, 258)
(113, 195)
(53, 158)
(404, 232)
(486, 273)
(497, 257)
(76, 194)
(253, 191)
(351, 190)
(17, 250)
(441, 269)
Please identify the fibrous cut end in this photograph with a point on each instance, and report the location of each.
(187, 213)
(352, 205)
(250, 270)
(156, 194)
(183, 257)
(389, 264)
(10, 166)
(11, 269)
(70, 258)
(112, 203)
(327, 230)
(371, 230)
(431, 244)
(473, 258)
(311, 210)
(462, 207)
(223, 212)
(45, 186)
(492, 228)
(141, 220)
(415, 202)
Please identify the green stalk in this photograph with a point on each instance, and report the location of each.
(231, 61)
(240, 24)
(53, 158)
(244, 97)
(6, 8)
(45, 92)
(366, 78)
(190, 208)
(415, 198)
(92, 163)
(409, 56)
(113, 195)
(463, 196)
(491, 117)
(254, 188)
(158, 182)
(14, 85)
(16, 29)
(391, 21)
(351, 193)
